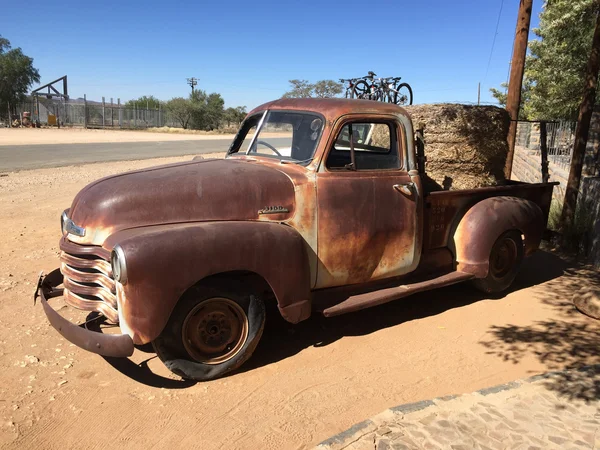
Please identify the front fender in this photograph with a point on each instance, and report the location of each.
(484, 222)
(164, 261)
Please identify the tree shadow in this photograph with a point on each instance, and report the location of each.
(570, 343)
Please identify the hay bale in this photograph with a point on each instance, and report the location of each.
(466, 146)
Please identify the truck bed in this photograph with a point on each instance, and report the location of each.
(443, 209)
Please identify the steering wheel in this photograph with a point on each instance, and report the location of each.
(266, 144)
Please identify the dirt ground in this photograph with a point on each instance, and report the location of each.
(304, 383)
(34, 136)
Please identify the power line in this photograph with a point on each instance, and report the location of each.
(493, 43)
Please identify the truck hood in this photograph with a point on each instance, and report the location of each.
(212, 189)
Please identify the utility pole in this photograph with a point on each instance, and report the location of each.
(192, 82)
(513, 99)
(478, 93)
(586, 109)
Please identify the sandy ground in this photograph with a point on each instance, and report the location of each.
(303, 384)
(32, 136)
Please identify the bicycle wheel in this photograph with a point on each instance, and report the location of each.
(361, 89)
(404, 95)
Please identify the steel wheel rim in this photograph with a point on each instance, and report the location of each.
(503, 258)
(215, 330)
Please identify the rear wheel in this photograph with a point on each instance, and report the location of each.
(505, 260)
(404, 95)
(213, 330)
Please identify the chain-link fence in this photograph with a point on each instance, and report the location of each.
(88, 114)
(560, 140)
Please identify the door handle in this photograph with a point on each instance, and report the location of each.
(406, 189)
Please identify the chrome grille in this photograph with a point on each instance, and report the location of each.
(88, 280)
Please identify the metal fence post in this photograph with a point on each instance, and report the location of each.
(159, 117)
(120, 113)
(135, 116)
(85, 111)
(103, 111)
(112, 124)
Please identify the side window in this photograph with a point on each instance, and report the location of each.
(375, 147)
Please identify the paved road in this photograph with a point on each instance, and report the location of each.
(556, 410)
(23, 157)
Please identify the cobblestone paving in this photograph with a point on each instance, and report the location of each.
(553, 411)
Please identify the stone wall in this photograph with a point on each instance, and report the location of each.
(527, 167)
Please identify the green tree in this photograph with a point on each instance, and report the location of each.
(525, 109)
(555, 66)
(17, 74)
(327, 88)
(181, 109)
(558, 59)
(145, 101)
(305, 89)
(214, 111)
(299, 89)
(207, 110)
(234, 115)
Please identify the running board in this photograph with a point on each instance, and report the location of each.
(374, 298)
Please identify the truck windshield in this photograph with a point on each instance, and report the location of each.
(287, 136)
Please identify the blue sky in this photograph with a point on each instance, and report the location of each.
(248, 50)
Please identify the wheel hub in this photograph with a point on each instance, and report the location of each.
(215, 330)
(503, 258)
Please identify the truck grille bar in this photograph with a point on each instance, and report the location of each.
(88, 280)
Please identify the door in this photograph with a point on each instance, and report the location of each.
(367, 206)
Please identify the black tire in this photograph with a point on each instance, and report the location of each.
(404, 96)
(361, 90)
(506, 257)
(211, 304)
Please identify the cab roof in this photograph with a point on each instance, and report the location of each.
(332, 108)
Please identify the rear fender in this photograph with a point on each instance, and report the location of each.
(483, 224)
(164, 261)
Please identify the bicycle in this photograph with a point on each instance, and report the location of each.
(392, 91)
(349, 87)
(387, 89)
(363, 90)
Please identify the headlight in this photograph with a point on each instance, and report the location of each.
(117, 262)
(63, 222)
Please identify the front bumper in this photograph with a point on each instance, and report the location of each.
(118, 345)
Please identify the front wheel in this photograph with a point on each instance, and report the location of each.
(361, 90)
(404, 95)
(213, 330)
(505, 260)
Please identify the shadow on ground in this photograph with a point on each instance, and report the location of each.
(282, 340)
(558, 344)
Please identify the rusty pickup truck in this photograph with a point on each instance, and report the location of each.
(319, 206)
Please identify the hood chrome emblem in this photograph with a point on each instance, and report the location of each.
(273, 210)
(71, 228)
